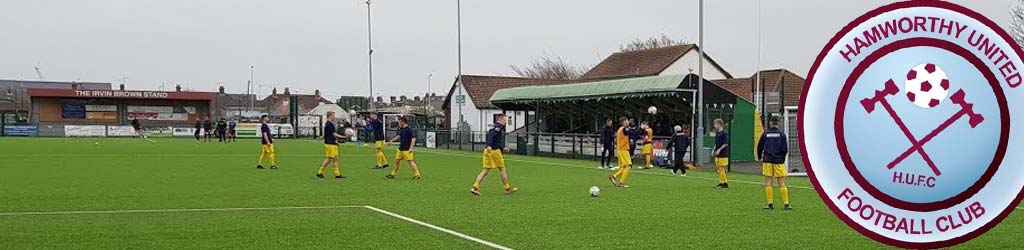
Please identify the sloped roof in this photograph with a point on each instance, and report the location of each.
(642, 62)
(618, 88)
(774, 80)
(480, 88)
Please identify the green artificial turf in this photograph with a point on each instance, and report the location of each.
(552, 210)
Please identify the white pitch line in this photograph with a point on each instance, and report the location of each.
(641, 172)
(186, 210)
(448, 231)
(172, 210)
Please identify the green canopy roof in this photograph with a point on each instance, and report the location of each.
(618, 88)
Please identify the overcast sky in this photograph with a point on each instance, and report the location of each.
(322, 44)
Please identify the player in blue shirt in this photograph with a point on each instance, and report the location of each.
(680, 142)
(721, 153)
(378, 138)
(267, 140)
(406, 141)
(494, 157)
(771, 151)
(608, 144)
(331, 137)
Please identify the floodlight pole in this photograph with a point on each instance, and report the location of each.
(458, 20)
(700, 81)
(427, 96)
(249, 95)
(369, 42)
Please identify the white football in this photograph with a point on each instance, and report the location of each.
(652, 110)
(349, 132)
(595, 191)
(927, 85)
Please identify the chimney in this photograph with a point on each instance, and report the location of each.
(177, 88)
(287, 92)
(74, 85)
(403, 98)
(417, 98)
(317, 92)
(221, 89)
(273, 92)
(393, 99)
(380, 99)
(122, 87)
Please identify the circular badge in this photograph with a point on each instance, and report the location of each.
(905, 124)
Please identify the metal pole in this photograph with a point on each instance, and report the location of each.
(248, 89)
(458, 18)
(431, 75)
(700, 81)
(757, 66)
(369, 42)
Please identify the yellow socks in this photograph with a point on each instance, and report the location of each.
(722, 178)
(476, 185)
(320, 171)
(769, 195)
(337, 171)
(785, 194)
(381, 159)
(625, 174)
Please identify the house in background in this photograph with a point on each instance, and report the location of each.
(478, 112)
(671, 60)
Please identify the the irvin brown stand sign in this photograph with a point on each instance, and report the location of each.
(907, 124)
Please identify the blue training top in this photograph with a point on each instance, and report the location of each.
(268, 138)
(329, 131)
(773, 146)
(405, 136)
(496, 137)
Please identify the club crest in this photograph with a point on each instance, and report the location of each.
(906, 123)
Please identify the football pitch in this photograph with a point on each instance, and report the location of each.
(58, 193)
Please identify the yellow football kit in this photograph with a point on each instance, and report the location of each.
(331, 151)
(625, 161)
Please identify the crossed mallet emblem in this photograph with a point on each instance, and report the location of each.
(957, 98)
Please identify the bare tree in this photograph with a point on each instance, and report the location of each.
(1017, 22)
(553, 67)
(653, 43)
(550, 67)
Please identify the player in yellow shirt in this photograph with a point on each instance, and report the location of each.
(331, 137)
(648, 149)
(622, 151)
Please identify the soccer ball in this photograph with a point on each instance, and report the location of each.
(652, 110)
(349, 132)
(927, 85)
(595, 191)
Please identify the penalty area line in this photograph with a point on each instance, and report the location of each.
(232, 209)
(171, 210)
